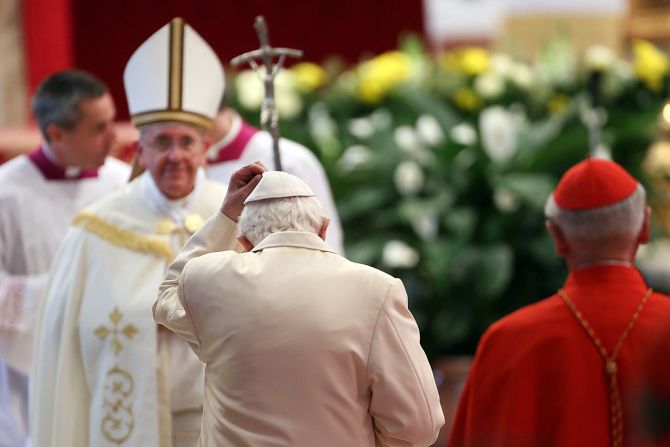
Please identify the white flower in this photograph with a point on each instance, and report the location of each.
(464, 134)
(429, 130)
(251, 93)
(623, 69)
(406, 139)
(361, 128)
(425, 226)
(289, 104)
(489, 85)
(353, 157)
(397, 254)
(505, 201)
(498, 131)
(381, 119)
(502, 64)
(249, 89)
(322, 126)
(408, 178)
(521, 75)
(599, 57)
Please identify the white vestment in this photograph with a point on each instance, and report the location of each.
(34, 215)
(104, 375)
(296, 159)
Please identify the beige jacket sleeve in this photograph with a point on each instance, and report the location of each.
(405, 405)
(218, 234)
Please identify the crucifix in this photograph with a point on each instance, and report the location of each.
(593, 118)
(266, 54)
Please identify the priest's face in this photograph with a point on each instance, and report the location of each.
(88, 143)
(172, 153)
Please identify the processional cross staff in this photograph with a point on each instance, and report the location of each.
(269, 117)
(594, 119)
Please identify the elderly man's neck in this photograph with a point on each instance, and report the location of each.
(602, 253)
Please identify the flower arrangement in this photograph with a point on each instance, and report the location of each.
(441, 164)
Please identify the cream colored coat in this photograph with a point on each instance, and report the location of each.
(303, 348)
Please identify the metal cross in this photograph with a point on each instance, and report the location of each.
(269, 117)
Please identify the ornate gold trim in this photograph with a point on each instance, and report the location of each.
(119, 421)
(123, 238)
(179, 116)
(176, 63)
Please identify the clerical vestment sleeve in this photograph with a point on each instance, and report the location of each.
(218, 234)
(59, 396)
(19, 300)
(405, 404)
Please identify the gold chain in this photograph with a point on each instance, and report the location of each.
(611, 367)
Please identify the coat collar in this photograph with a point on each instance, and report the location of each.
(297, 239)
(599, 274)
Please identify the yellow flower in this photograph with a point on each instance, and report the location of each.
(557, 103)
(650, 64)
(475, 61)
(471, 61)
(308, 76)
(381, 74)
(467, 99)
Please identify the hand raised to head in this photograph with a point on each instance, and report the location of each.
(242, 183)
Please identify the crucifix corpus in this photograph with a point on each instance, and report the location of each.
(266, 54)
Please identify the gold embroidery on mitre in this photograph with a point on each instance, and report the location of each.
(123, 238)
(163, 116)
(176, 63)
(193, 223)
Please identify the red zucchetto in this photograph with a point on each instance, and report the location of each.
(593, 183)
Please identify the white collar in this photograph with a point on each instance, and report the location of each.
(235, 126)
(177, 209)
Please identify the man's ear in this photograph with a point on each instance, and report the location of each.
(324, 228)
(54, 133)
(645, 232)
(246, 243)
(560, 242)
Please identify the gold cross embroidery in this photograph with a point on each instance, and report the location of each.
(116, 331)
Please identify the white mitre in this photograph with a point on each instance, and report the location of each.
(174, 76)
(277, 185)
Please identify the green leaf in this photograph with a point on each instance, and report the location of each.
(532, 189)
(494, 270)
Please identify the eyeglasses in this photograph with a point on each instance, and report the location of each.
(164, 143)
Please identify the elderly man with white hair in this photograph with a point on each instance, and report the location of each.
(565, 371)
(104, 372)
(302, 346)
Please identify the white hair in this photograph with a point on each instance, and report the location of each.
(264, 217)
(622, 221)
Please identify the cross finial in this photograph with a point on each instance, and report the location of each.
(267, 54)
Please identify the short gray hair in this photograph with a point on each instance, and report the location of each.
(264, 217)
(57, 98)
(623, 220)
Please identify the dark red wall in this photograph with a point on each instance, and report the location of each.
(106, 32)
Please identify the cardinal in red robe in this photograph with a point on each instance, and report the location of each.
(568, 370)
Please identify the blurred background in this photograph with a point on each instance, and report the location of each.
(443, 125)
